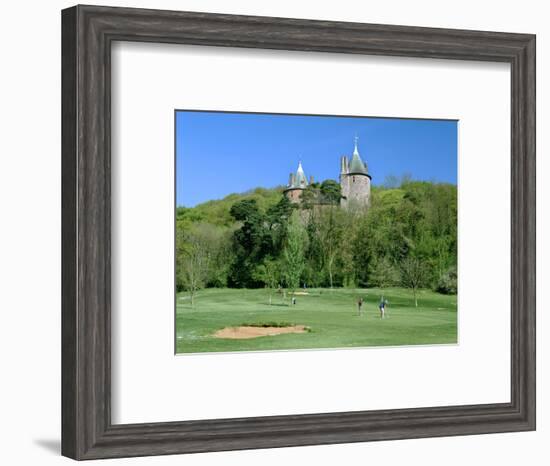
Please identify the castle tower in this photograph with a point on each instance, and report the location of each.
(355, 181)
(296, 184)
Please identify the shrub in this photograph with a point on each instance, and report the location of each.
(447, 283)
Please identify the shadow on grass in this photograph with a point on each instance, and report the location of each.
(275, 305)
(188, 308)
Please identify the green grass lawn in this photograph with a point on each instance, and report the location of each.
(331, 316)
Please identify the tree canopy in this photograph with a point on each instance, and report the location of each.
(258, 238)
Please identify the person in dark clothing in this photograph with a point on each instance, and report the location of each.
(382, 306)
(360, 306)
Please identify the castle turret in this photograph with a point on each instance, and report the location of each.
(355, 181)
(297, 183)
(343, 166)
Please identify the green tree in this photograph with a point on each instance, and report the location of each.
(250, 243)
(220, 239)
(277, 218)
(327, 192)
(310, 196)
(270, 274)
(195, 250)
(448, 282)
(329, 232)
(245, 210)
(331, 192)
(294, 253)
(406, 218)
(413, 275)
(384, 273)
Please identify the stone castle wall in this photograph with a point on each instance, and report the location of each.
(355, 190)
(294, 195)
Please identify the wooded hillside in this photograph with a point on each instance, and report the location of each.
(258, 239)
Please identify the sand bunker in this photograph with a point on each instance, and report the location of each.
(248, 331)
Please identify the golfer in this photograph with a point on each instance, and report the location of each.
(360, 306)
(382, 306)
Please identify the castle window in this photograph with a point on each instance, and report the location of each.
(353, 179)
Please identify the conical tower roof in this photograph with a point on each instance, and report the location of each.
(357, 165)
(300, 179)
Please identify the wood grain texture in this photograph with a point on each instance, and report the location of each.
(87, 33)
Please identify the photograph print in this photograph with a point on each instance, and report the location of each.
(314, 231)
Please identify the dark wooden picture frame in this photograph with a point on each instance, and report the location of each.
(87, 35)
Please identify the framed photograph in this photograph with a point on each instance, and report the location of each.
(329, 260)
(281, 232)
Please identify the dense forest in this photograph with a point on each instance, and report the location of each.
(407, 238)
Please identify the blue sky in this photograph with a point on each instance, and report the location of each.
(222, 153)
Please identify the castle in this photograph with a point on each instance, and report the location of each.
(355, 182)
